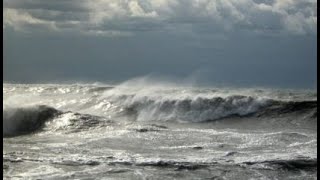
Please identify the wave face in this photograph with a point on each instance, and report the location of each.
(149, 103)
(23, 120)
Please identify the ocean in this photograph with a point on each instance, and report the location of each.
(158, 131)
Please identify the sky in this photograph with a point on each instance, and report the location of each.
(270, 43)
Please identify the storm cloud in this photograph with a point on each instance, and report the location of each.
(247, 42)
(126, 17)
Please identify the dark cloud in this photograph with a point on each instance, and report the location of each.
(257, 42)
(57, 5)
(298, 17)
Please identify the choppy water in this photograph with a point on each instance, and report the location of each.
(158, 131)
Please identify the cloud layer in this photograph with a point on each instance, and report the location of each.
(127, 17)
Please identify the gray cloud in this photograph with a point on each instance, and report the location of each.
(127, 17)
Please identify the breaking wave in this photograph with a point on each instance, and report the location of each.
(204, 109)
(23, 120)
(90, 105)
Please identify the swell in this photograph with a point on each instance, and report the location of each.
(290, 165)
(280, 107)
(306, 164)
